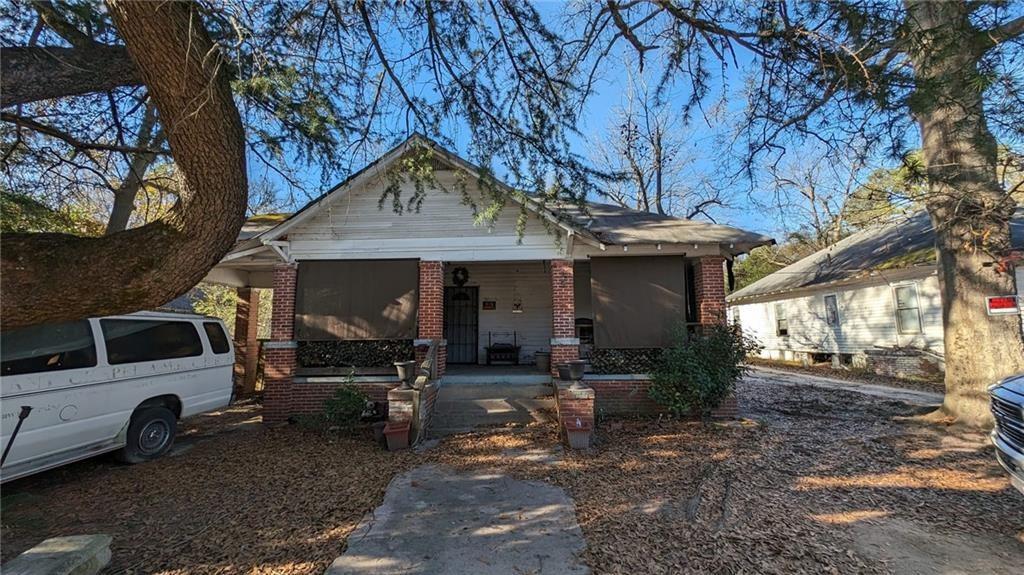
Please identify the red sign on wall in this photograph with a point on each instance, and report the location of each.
(1003, 304)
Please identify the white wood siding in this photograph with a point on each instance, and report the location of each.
(352, 226)
(867, 319)
(502, 283)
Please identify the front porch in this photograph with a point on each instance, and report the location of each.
(345, 322)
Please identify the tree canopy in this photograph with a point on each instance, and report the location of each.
(106, 95)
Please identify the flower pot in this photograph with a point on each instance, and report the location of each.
(563, 372)
(576, 368)
(406, 372)
(378, 433)
(397, 435)
(543, 360)
(578, 433)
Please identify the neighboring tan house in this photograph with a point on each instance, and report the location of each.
(356, 283)
(871, 300)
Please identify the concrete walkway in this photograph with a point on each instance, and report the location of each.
(767, 375)
(436, 520)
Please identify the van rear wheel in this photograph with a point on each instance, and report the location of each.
(150, 435)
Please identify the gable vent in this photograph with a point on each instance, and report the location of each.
(440, 165)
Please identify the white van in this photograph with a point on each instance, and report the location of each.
(106, 384)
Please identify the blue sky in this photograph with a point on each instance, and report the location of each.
(708, 144)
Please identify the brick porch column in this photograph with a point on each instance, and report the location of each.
(247, 309)
(280, 355)
(564, 344)
(430, 312)
(710, 288)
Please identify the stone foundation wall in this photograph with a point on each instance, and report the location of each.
(902, 363)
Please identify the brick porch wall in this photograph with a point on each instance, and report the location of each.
(710, 289)
(563, 314)
(279, 368)
(630, 398)
(310, 397)
(573, 404)
(430, 311)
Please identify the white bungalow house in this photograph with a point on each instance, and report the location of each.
(871, 300)
(357, 283)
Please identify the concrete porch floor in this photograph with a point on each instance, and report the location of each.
(494, 374)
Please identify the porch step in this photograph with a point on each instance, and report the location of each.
(463, 407)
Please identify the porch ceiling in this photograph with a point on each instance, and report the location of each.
(253, 269)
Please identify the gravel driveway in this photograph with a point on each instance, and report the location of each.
(816, 480)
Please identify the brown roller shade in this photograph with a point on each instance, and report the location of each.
(637, 300)
(356, 299)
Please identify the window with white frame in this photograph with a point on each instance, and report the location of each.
(908, 311)
(781, 320)
(831, 310)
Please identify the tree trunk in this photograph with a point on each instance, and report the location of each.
(968, 207)
(29, 74)
(57, 277)
(124, 196)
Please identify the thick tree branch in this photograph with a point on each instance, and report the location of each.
(56, 21)
(30, 74)
(1006, 31)
(147, 266)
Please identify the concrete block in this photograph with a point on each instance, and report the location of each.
(74, 555)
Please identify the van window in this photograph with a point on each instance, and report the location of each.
(218, 339)
(47, 348)
(135, 340)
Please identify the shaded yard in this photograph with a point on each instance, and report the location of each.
(819, 481)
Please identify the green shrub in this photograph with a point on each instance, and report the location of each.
(342, 411)
(699, 371)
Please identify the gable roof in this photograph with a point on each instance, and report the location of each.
(616, 225)
(907, 242)
(597, 224)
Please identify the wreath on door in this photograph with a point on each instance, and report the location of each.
(460, 276)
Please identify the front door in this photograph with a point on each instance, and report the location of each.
(461, 323)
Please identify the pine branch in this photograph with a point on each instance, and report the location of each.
(71, 140)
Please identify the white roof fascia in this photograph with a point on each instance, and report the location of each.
(243, 253)
(371, 172)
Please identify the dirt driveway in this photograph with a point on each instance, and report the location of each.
(818, 480)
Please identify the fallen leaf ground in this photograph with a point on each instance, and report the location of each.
(814, 481)
(933, 383)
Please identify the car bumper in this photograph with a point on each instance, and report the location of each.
(1011, 459)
